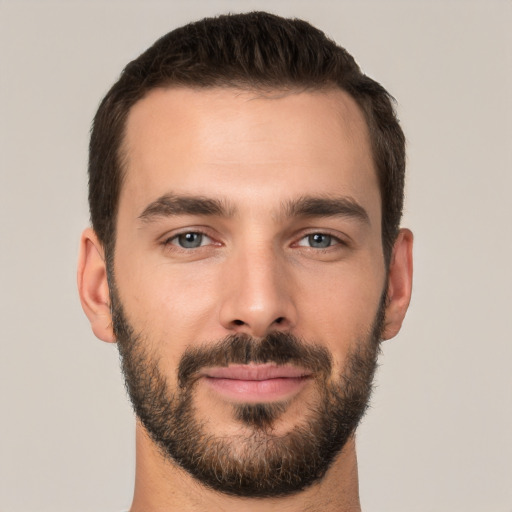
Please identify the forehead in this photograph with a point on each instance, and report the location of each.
(227, 142)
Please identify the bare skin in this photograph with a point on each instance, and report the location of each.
(255, 269)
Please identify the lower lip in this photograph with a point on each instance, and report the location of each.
(257, 390)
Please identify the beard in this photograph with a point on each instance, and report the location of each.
(257, 462)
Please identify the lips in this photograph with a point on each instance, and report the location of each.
(256, 383)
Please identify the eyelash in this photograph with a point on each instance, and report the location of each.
(169, 241)
(333, 240)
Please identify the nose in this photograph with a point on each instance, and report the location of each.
(257, 294)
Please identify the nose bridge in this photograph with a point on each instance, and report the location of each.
(256, 297)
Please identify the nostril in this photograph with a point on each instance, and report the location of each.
(279, 320)
(238, 322)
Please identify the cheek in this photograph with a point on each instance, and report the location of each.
(340, 305)
(172, 306)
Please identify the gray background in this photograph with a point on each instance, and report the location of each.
(438, 437)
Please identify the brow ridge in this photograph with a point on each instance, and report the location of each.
(306, 206)
(169, 205)
(326, 206)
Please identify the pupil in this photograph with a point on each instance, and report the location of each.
(189, 240)
(320, 241)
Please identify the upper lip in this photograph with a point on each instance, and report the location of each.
(255, 372)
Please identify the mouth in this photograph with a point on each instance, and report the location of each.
(256, 383)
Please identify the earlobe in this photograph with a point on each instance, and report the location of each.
(399, 284)
(93, 286)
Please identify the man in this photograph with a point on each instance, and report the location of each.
(246, 190)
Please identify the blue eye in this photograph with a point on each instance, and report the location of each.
(191, 240)
(318, 241)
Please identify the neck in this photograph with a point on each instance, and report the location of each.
(161, 486)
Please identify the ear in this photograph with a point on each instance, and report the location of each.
(93, 286)
(399, 284)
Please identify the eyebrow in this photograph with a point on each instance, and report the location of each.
(170, 205)
(313, 206)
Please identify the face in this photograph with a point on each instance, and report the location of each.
(248, 281)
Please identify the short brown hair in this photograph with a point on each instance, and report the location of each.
(250, 51)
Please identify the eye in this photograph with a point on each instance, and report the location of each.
(318, 241)
(190, 240)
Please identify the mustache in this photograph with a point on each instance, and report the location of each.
(277, 347)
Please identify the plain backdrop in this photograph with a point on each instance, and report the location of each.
(438, 435)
